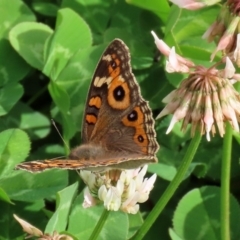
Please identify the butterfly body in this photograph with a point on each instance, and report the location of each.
(118, 128)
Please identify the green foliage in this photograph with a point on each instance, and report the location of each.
(49, 51)
(199, 209)
(82, 222)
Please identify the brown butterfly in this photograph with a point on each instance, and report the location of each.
(118, 127)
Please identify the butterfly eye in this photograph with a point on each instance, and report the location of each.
(133, 116)
(119, 93)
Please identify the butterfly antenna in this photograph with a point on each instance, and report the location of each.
(54, 124)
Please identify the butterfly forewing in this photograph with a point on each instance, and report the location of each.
(117, 120)
(100, 91)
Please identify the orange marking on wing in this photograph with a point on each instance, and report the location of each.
(91, 119)
(114, 72)
(145, 142)
(139, 120)
(138, 124)
(95, 102)
(123, 104)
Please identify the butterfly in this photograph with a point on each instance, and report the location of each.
(118, 127)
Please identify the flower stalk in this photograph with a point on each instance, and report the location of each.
(225, 184)
(100, 224)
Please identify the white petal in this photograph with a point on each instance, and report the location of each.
(148, 184)
(131, 209)
(28, 228)
(123, 176)
(229, 68)
(102, 193)
(143, 197)
(85, 175)
(151, 181)
(172, 123)
(173, 61)
(126, 176)
(236, 53)
(132, 200)
(139, 178)
(89, 200)
(161, 45)
(131, 189)
(120, 187)
(112, 201)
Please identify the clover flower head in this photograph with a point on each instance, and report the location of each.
(117, 190)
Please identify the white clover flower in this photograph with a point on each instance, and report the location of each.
(117, 190)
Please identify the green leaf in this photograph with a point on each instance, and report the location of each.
(45, 8)
(59, 96)
(210, 154)
(184, 30)
(198, 215)
(14, 148)
(72, 33)
(97, 13)
(80, 68)
(135, 221)
(173, 235)
(11, 15)
(31, 212)
(26, 186)
(166, 168)
(82, 222)
(28, 40)
(50, 151)
(13, 68)
(176, 137)
(59, 219)
(9, 95)
(156, 94)
(184, 24)
(67, 122)
(68, 126)
(22, 116)
(9, 228)
(160, 8)
(74, 79)
(169, 162)
(4, 197)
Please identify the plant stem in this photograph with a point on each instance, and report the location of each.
(100, 224)
(172, 187)
(37, 95)
(225, 183)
